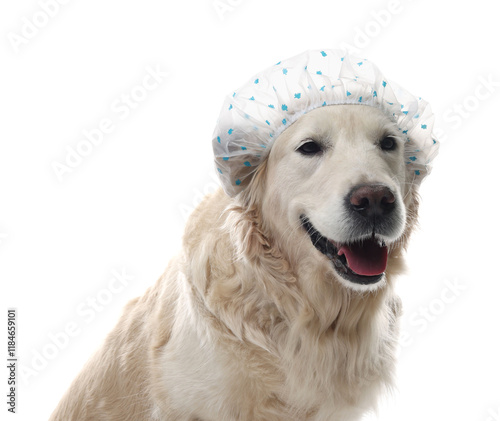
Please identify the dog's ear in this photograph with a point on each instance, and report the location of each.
(238, 160)
(256, 185)
(244, 217)
(238, 168)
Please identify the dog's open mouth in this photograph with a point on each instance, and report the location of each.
(363, 262)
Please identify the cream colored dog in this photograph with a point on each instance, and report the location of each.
(280, 305)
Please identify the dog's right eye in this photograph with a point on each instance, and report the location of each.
(388, 143)
(310, 148)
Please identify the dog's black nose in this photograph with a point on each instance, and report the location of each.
(372, 200)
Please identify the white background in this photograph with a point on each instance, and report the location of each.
(124, 206)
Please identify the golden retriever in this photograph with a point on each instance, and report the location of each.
(281, 304)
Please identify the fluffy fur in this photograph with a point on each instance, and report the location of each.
(250, 321)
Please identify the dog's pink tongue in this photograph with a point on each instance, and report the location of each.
(368, 258)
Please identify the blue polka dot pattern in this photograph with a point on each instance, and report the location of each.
(253, 116)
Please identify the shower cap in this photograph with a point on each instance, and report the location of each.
(253, 116)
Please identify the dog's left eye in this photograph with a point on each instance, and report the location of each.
(388, 143)
(310, 148)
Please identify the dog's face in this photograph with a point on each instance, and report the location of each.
(335, 181)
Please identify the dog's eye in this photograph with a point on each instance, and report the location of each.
(388, 143)
(310, 148)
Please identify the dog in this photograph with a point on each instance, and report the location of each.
(281, 303)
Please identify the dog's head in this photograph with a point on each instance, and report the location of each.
(331, 153)
(335, 188)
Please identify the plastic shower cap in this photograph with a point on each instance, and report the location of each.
(257, 113)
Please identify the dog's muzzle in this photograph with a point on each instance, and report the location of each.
(372, 215)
